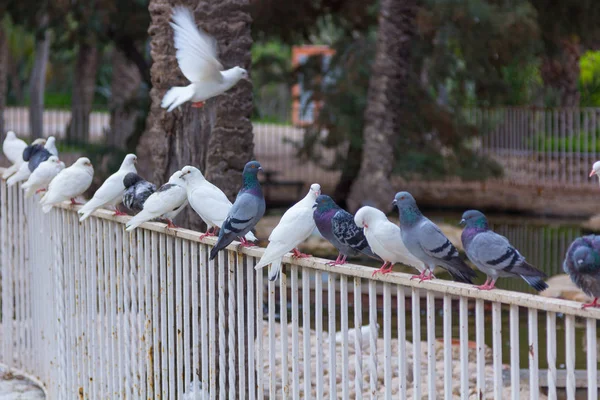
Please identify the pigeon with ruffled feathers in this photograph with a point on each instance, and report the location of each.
(35, 155)
(137, 191)
(493, 255)
(426, 242)
(295, 226)
(197, 58)
(111, 191)
(247, 210)
(582, 264)
(338, 227)
(68, 184)
(208, 201)
(385, 239)
(42, 176)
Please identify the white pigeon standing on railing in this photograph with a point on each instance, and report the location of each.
(167, 202)
(295, 226)
(13, 147)
(112, 190)
(385, 239)
(68, 184)
(42, 176)
(197, 58)
(209, 202)
(22, 172)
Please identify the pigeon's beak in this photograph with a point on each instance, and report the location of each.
(314, 205)
(592, 173)
(182, 175)
(260, 168)
(462, 222)
(394, 202)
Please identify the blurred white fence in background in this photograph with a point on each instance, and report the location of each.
(95, 312)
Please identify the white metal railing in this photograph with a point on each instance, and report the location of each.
(95, 312)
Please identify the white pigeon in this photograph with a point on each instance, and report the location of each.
(197, 58)
(51, 145)
(22, 174)
(42, 176)
(17, 166)
(385, 239)
(209, 202)
(166, 202)
(295, 226)
(112, 190)
(68, 184)
(13, 147)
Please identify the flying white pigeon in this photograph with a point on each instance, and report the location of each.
(209, 202)
(17, 166)
(13, 147)
(167, 201)
(385, 239)
(294, 227)
(197, 58)
(68, 184)
(42, 176)
(112, 190)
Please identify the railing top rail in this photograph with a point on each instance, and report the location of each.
(440, 287)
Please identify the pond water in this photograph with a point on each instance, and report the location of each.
(544, 242)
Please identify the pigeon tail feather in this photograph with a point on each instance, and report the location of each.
(275, 271)
(460, 271)
(535, 282)
(176, 96)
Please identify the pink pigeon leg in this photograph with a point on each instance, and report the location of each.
(74, 203)
(171, 225)
(592, 304)
(40, 190)
(209, 232)
(297, 254)
(118, 213)
(428, 277)
(246, 243)
(337, 260)
(198, 104)
(420, 276)
(383, 269)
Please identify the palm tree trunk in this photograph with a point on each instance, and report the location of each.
(126, 80)
(3, 76)
(83, 93)
(388, 92)
(217, 138)
(37, 83)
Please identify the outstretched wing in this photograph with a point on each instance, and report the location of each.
(196, 50)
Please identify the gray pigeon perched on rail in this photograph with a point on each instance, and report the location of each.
(338, 227)
(493, 254)
(582, 264)
(137, 190)
(247, 210)
(426, 242)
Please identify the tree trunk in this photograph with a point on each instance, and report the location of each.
(387, 97)
(125, 83)
(3, 76)
(217, 138)
(37, 83)
(561, 72)
(84, 88)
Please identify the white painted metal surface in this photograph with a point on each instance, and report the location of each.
(94, 312)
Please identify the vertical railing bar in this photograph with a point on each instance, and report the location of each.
(283, 313)
(463, 315)
(113, 335)
(212, 309)
(295, 344)
(431, 363)
(570, 355)
(416, 337)
(592, 358)
(331, 278)
(102, 320)
(231, 328)
(83, 318)
(200, 344)
(121, 256)
(514, 352)
(319, 332)
(70, 314)
(402, 364)
(251, 262)
(180, 375)
(373, 330)
(259, 334)
(241, 327)
(534, 382)
(149, 312)
(143, 339)
(190, 335)
(447, 347)
(480, 343)
(155, 319)
(272, 339)
(91, 268)
(306, 332)
(387, 340)
(166, 317)
(497, 347)
(222, 269)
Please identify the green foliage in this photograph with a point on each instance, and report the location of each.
(589, 79)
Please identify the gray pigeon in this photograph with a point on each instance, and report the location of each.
(494, 255)
(247, 210)
(35, 154)
(338, 227)
(137, 190)
(426, 242)
(582, 263)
